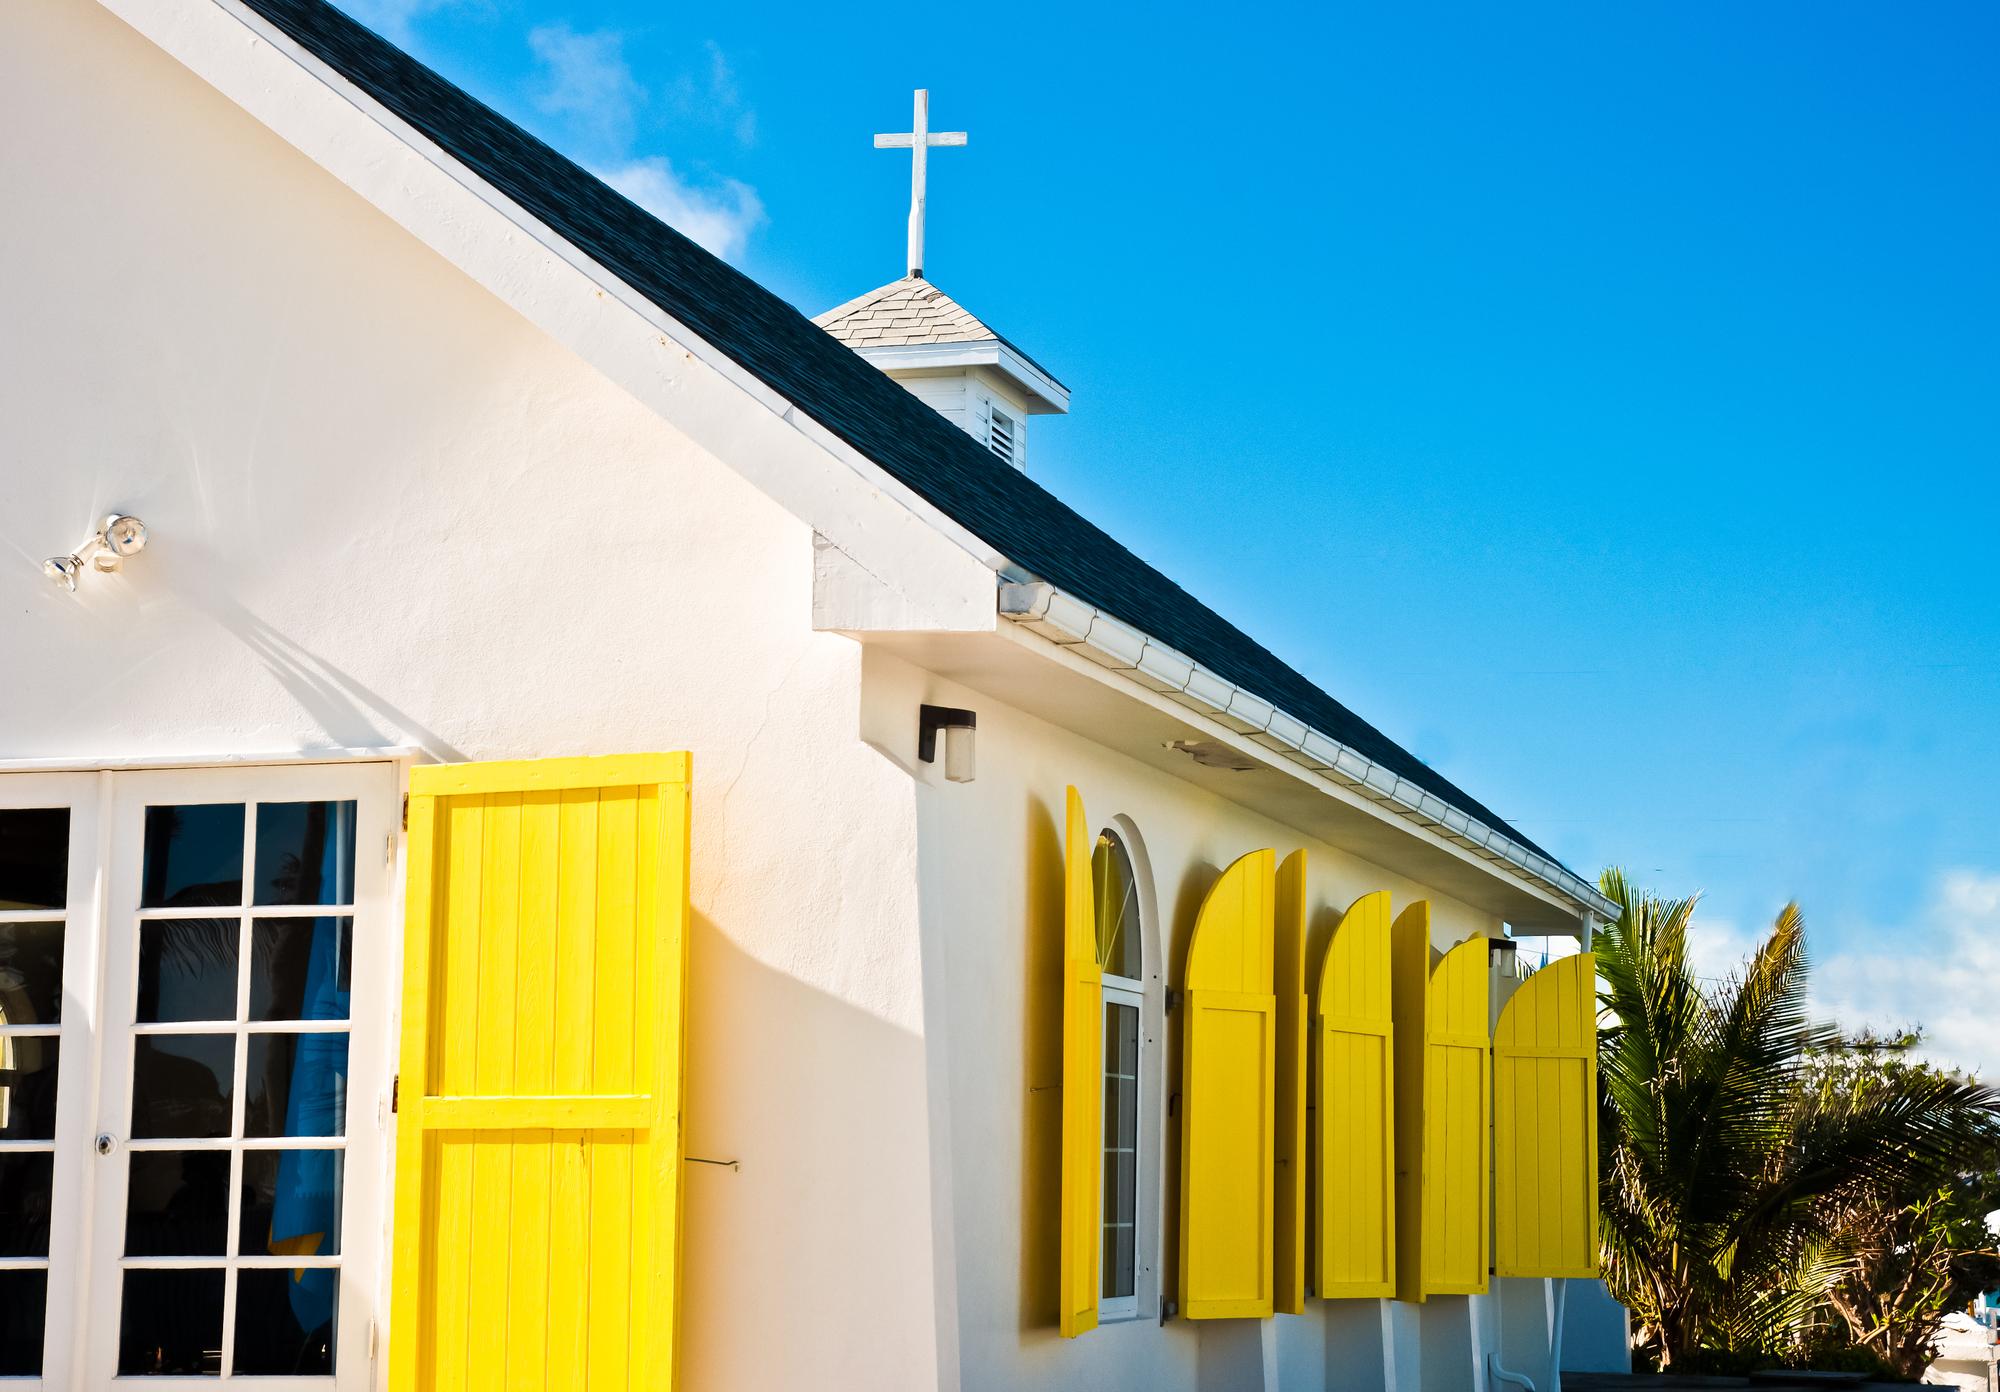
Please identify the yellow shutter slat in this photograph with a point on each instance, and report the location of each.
(1083, 1080)
(1545, 1124)
(1289, 1241)
(1228, 1098)
(539, 1152)
(1457, 1061)
(1353, 1115)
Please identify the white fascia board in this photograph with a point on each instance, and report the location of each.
(778, 448)
(1070, 622)
(1046, 396)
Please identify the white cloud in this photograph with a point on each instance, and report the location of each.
(1940, 973)
(586, 81)
(1718, 947)
(720, 217)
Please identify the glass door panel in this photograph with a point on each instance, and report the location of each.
(238, 902)
(48, 846)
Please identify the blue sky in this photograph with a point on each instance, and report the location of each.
(1604, 400)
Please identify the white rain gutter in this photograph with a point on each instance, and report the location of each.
(1089, 632)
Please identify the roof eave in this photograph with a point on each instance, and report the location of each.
(1109, 642)
(1045, 395)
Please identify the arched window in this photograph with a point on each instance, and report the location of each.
(1132, 1029)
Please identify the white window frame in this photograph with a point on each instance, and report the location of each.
(1149, 994)
(86, 1225)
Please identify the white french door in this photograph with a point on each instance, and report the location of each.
(227, 969)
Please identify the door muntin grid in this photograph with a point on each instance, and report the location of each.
(238, 1013)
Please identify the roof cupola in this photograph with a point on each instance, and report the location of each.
(928, 342)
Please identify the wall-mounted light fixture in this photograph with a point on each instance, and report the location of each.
(106, 548)
(958, 726)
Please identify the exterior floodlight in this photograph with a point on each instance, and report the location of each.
(958, 727)
(117, 537)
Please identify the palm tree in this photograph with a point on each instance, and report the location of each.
(1725, 1172)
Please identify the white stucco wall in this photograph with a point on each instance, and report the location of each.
(992, 870)
(387, 510)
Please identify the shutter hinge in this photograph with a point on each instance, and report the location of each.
(389, 848)
(406, 811)
(395, 1093)
(1173, 1000)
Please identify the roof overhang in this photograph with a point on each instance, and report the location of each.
(1263, 730)
(1044, 394)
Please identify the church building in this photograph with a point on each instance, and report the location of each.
(566, 825)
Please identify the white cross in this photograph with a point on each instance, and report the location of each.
(918, 141)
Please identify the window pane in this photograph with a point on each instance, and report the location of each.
(34, 857)
(177, 1204)
(291, 1203)
(27, 1089)
(27, 1183)
(194, 856)
(297, 1085)
(1117, 898)
(23, 1311)
(187, 969)
(1121, 1130)
(299, 968)
(305, 853)
(284, 1322)
(182, 1085)
(171, 1322)
(31, 958)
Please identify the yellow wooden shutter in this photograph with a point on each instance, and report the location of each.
(1457, 1200)
(1289, 1245)
(1083, 1081)
(1410, 1008)
(538, 1149)
(1545, 1124)
(1354, 1109)
(1228, 1098)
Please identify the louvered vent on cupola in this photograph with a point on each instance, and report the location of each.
(1000, 433)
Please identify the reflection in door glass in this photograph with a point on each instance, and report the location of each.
(194, 856)
(187, 969)
(27, 1186)
(177, 1203)
(291, 1203)
(300, 968)
(28, 1087)
(305, 853)
(296, 1085)
(284, 1322)
(31, 958)
(171, 1322)
(182, 1085)
(23, 1311)
(34, 857)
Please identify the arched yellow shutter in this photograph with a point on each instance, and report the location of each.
(1545, 1124)
(1456, 1116)
(1228, 1098)
(538, 1148)
(1410, 1007)
(1353, 1115)
(1289, 1247)
(1083, 1080)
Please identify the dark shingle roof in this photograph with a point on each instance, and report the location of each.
(831, 383)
